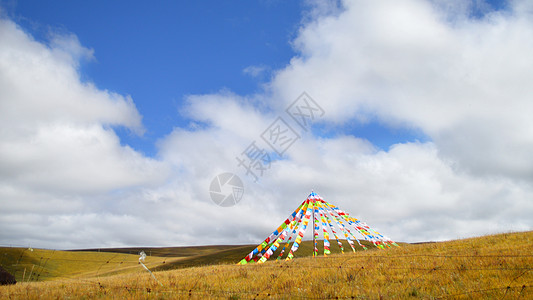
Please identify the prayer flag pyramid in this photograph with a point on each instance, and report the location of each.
(323, 215)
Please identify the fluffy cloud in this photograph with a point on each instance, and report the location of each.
(429, 65)
(56, 130)
(463, 81)
(57, 145)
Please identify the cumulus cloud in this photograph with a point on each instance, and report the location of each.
(57, 145)
(461, 80)
(46, 78)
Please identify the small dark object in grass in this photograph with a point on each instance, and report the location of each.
(6, 277)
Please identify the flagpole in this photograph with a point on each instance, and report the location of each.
(313, 216)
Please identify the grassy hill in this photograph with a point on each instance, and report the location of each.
(42, 265)
(497, 266)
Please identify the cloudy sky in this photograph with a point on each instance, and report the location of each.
(115, 118)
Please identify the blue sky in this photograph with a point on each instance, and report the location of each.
(120, 114)
(161, 53)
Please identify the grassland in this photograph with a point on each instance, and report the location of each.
(28, 265)
(43, 265)
(494, 267)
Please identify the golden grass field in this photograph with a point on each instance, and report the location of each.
(489, 267)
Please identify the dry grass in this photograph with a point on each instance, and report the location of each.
(42, 265)
(494, 267)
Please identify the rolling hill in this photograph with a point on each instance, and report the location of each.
(41, 264)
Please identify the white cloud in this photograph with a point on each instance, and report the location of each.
(57, 148)
(255, 71)
(410, 64)
(56, 129)
(47, 80)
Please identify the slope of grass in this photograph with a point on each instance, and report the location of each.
(494, 267)
(41, 265)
